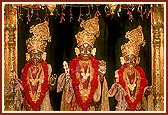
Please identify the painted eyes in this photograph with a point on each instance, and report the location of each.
(35, 55)
(87, 50)
(128, 60)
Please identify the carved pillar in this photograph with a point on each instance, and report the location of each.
(11, 45)
(10, 59)
(157, 25)
(10, 41)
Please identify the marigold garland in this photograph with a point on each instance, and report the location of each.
(75, 81)
(44, 86)
(143, 84)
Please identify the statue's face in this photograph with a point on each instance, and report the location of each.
(130, 61)
(35, 56)
(85, 51)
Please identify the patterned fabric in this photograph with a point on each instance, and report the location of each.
(120, 93)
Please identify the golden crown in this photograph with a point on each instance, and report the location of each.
(90, 32)
(136, 39)
(41, 35)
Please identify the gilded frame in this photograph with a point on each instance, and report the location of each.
(158, 45)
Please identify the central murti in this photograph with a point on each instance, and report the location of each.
(83, 83)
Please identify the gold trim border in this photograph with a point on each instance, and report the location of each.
(157, 51)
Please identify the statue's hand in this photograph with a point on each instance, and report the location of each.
(52, 80)
(66, 67)
(102, 69)
(148, 90)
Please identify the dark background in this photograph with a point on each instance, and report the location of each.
(112, 36)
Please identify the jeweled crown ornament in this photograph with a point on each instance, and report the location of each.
(41, 35)
(136, 39)
(90, 32)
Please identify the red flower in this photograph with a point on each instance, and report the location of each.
(75, 81)
(44, 87)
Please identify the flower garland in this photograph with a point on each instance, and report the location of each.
(143, 84)
(75, 81)
(44, 86)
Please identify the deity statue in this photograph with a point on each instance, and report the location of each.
(83, 83)
(36, 72)
(130, 84)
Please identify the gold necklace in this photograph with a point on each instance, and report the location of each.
(37, 79)
(87, 74)
(85, 91)
(35, 95)
(129, 85)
